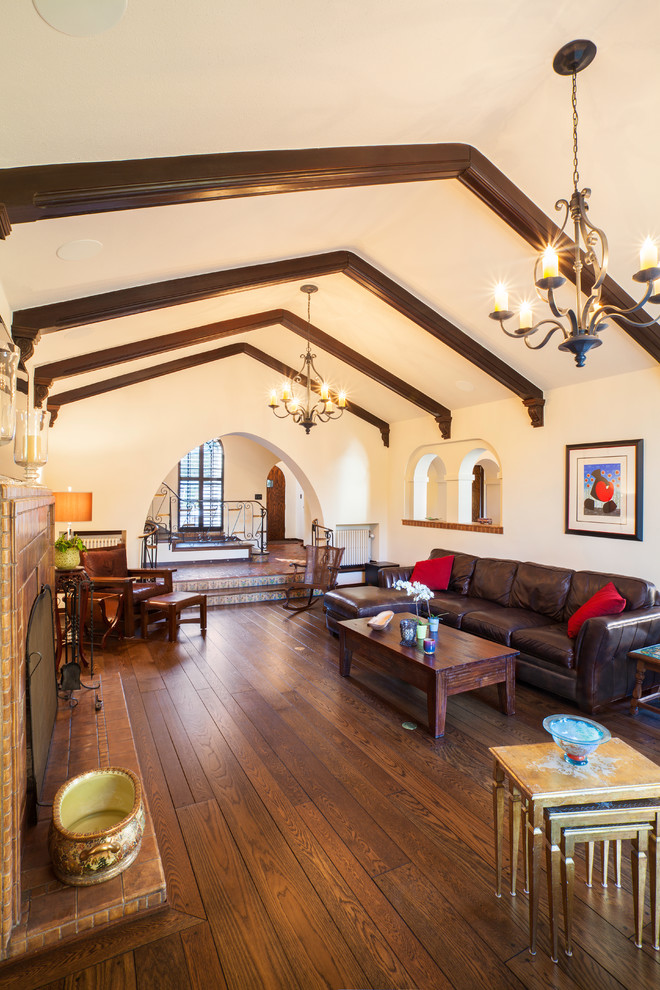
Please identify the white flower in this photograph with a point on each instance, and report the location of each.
(417, 591)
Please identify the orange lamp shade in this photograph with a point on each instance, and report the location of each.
(73, 506)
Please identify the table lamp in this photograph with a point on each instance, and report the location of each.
(72, 507)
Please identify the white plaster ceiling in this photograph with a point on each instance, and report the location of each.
(206, 77)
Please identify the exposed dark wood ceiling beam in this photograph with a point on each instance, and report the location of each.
(195, 361)
(47, 191)
(193, 288)
(46, 374)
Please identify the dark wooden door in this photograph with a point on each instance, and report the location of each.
(275, 501)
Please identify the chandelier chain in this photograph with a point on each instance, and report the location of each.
(576, 173)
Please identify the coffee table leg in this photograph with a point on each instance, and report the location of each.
(202, 612)
(507, 689)
(436, 699)
(345, 654)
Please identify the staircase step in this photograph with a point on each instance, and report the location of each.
(239, 590)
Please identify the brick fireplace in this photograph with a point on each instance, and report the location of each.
(26, 562)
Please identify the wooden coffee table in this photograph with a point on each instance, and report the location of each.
(462, 662)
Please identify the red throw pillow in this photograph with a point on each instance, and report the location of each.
(433, 573)
(607, 601)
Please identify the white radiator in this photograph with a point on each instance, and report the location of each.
(356, 541)
(93, 539)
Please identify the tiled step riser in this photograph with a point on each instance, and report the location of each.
(242, 597)
(237, 591)
(208, 585)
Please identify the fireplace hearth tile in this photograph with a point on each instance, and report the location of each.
(84, 739)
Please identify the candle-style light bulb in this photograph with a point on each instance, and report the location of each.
(324, 391)
(341, 400)
(329, 405)
(501, 298)
(550, 263)
(273, 398)
(526, 316)
(648, 256)
(286, 392)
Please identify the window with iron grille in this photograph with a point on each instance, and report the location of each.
(201, 487)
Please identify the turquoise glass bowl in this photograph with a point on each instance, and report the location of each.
(576, 736)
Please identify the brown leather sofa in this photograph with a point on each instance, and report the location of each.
(527, 606)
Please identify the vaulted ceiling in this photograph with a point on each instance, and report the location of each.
(403, 156)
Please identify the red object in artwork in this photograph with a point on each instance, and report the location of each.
(603, 490)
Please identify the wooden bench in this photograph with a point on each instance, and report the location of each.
(172, 604)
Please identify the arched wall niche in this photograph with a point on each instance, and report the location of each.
(438, 482)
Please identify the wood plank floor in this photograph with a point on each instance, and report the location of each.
(309, 840)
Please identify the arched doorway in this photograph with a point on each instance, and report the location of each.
(275, 504)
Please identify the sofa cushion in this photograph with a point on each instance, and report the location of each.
(637, 592)
(451, 607)
(607, 601)
(495, 622)
(550, 643)
(434, 573)
(365, 600)
(492, 579)
(462, 569)
(541, 589)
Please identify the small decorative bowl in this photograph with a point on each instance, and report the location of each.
(576, 736)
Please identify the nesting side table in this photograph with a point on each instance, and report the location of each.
(648, 658)
(540, 778)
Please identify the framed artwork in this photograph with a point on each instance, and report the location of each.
(604, 489)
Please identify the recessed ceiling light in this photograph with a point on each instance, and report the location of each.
(79, 250)
(81, 18)
(465, 386)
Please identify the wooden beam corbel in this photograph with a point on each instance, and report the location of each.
(535, 408)
(444, 423)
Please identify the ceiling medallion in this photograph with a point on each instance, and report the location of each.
(308, 413)
(580, 326)
(81, 18)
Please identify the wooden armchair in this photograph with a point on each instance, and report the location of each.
(107, 569)
(321, 569)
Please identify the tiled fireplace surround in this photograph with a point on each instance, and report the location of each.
(35, 909)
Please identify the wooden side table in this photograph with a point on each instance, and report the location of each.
(648, 658)
(171, 606)
(540, 778)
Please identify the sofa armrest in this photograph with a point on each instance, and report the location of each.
(153, 573)
(604, 673)
(388, 576)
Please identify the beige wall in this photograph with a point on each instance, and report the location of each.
(622, 408)
(112, 446)
(122, 445)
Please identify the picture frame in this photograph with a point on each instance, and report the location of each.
(604, 489)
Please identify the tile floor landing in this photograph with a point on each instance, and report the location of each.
(53, 911)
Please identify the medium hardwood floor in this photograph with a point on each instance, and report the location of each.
(309, 840)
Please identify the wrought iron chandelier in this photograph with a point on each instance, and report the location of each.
(580, 326)
(312, 410)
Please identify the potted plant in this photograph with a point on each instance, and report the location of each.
(67, 551)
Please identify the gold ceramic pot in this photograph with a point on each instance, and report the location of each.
(97, 825)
